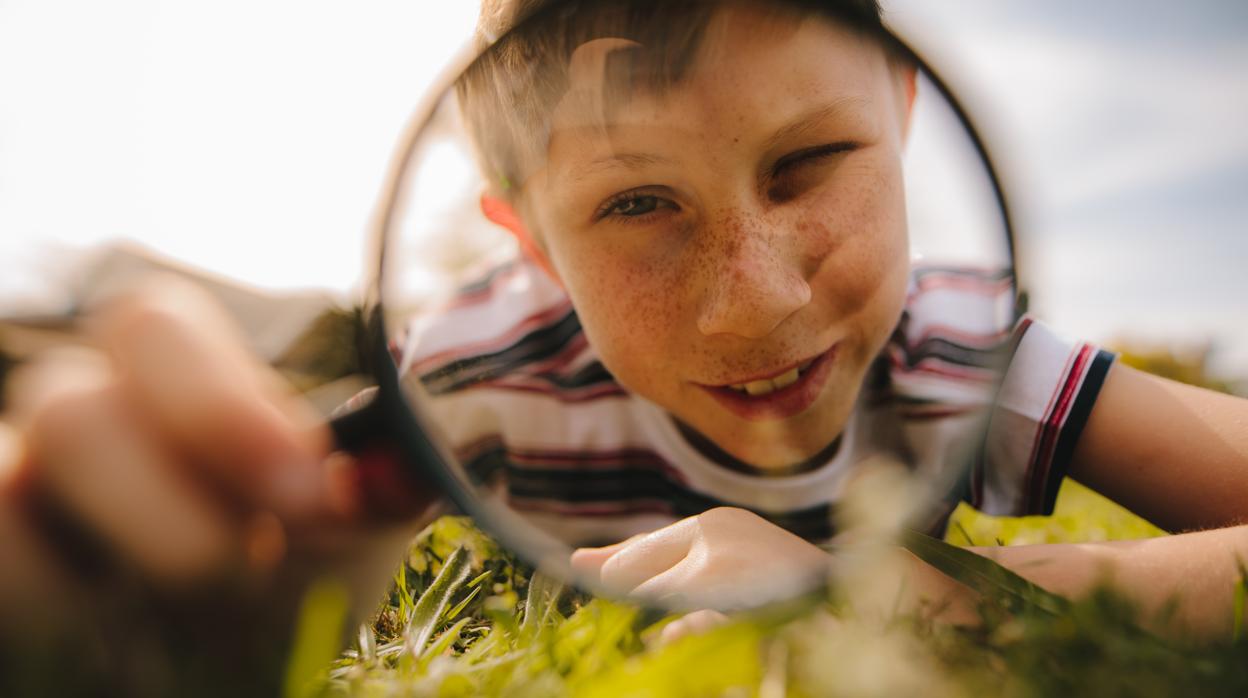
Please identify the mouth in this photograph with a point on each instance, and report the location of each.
(765, 386)
(779, 395)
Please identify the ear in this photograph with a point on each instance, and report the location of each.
(907, 75)
(501, 212)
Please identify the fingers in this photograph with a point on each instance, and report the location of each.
(691, 624)
(189, 373)
(588, 561)
(724, 558)
(624, 566)
(124, 441)
(94, 462)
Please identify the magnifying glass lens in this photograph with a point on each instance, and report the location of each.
(646, 261)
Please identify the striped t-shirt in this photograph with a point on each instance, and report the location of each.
(523, 400)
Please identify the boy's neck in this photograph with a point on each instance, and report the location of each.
(719, 456)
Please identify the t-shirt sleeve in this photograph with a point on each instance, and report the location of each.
(1043, 403)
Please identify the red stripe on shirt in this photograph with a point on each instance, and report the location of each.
(595, 509)
(1042, 458)
(937, 366)
(978, 286)
(575, 459)
(540, 386)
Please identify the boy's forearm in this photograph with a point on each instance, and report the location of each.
(1197, 571)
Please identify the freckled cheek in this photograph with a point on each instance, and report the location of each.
(629, 313)
(862, 273)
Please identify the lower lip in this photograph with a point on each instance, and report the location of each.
(783, 403)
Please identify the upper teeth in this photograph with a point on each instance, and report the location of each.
(764, 386)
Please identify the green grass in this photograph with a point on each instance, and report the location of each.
(500, 632)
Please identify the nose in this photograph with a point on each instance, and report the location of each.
(754, 279)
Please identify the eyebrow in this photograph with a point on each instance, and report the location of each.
(839, 108)
(630, 161)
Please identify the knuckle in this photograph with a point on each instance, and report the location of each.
(614, 571)
(156, 293)
(200, 554)
(138, 318)
(724, 515)
(66, 415)
(170, 313)
(52, 373)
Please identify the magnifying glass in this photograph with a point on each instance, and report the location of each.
(641, 264)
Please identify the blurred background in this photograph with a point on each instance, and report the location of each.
(245, 143)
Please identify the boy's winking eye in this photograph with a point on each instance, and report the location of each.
(800, 171)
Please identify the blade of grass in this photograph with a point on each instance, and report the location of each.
(459, 607)
(444, 641)
(981, 574)
(405, 596)
(1241, 596)
(368, 644)
(432, 604)
(543, 594)
(317, 636)
(965, 533)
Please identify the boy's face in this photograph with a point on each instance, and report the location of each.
(746, 221)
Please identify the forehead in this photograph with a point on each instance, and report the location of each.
(750, 71)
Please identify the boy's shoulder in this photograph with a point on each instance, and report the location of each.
(511, 327)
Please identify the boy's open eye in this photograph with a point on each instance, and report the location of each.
(633, 205)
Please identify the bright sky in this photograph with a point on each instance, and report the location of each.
(1119, 125)
(250, 138)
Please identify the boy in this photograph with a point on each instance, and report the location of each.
(187, 463)
(716, 191)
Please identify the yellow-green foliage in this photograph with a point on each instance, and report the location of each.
(557, 643)
(1081, 515)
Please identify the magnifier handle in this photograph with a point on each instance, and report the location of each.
(356, 429)
(388, 490)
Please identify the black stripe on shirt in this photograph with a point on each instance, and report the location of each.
(591, 374)
(641, 481)
(1093, 380)
(992, 355)
(542, 343)
(484, 283)
(952, 352)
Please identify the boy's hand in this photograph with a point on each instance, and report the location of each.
(169, 458)
(724, 558)
(694, 623)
